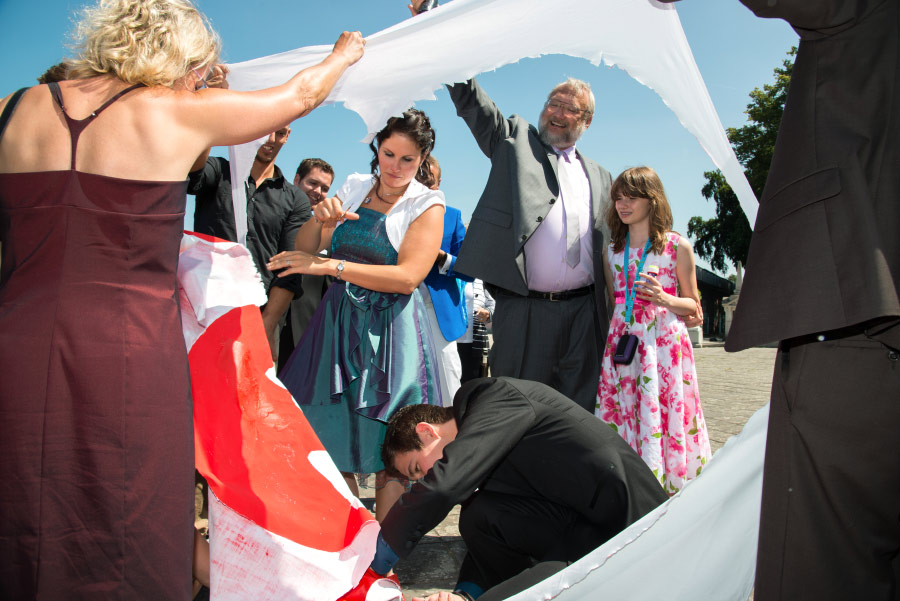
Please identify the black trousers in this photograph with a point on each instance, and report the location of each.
(830, 521)
(515, 542)
(471, 358)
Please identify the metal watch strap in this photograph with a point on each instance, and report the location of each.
(340, 270)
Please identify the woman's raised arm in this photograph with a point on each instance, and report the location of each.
(219, 117)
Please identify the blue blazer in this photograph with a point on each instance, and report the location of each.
(446, 294)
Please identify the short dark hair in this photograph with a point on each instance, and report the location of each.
(307, 165)
(58, 72)
(401, 436)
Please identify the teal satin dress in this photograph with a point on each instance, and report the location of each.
(364, 355)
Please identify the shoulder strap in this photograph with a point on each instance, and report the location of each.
(57, 96)
(9, 109)
(76, 126)
(116, 97)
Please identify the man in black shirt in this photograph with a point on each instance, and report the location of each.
(275, 211)
(314, 177)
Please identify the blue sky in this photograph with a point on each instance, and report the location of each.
(734, 50)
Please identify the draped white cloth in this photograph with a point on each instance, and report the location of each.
(700, 544)
(409, 61)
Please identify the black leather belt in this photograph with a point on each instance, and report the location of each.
(561, 296)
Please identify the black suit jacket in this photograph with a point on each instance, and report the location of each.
(524, 438)
(825, 252)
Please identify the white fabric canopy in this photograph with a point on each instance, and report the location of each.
(409, 61)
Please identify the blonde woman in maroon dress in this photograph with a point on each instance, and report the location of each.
(96, 450)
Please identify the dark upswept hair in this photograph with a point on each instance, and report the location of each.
(431, 176)
(415, 125)
(401, 436)
(307, 165)
(640, 182)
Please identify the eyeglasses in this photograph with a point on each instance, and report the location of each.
(567, 109)
(201, 82)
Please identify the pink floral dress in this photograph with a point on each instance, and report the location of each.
(654, 403)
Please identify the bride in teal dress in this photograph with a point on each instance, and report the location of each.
(368, 349)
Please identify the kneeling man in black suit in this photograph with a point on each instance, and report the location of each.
(542, 482)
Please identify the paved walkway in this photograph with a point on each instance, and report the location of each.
(732, 387)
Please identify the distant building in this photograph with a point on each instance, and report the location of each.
(713, 288)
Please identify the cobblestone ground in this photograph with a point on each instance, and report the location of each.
(732, 387)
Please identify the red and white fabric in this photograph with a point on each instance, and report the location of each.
(283, 524)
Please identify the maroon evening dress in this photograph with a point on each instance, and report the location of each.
(96, 447)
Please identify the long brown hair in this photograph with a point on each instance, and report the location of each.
(640, 182)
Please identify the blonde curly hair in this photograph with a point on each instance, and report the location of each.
(153, 42)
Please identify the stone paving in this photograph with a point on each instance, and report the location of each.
(732, 387)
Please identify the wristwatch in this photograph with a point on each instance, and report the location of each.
(340, 270)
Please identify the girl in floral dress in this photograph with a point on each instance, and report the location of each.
(653, 401)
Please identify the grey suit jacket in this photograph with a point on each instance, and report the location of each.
(521, 189)
(825, 252)
(525, 439)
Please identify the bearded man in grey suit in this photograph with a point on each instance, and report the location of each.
(535, 238)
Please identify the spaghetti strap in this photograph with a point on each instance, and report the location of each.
(9, 109)
(76, 126)
(57, 95)
(114, 98)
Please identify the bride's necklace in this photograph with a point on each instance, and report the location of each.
(377, 186)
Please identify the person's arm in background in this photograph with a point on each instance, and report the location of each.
(472, 104)
(205, 176)
(447, 260)
(284, 289)
(199, 178)
(489, 304)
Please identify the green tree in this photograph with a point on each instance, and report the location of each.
(726, 237)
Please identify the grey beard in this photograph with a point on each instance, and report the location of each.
(560, 140)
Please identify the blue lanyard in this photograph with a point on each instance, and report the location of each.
(631, 293)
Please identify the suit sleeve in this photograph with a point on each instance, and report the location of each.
(456, 240)
(815, 19)
(493, 424)
(484, 119)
